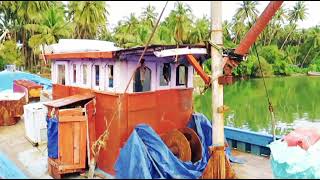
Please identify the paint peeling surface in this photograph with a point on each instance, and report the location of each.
(11, 108)
(8, 170)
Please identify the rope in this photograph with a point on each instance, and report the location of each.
(100, 143)
(264, 82)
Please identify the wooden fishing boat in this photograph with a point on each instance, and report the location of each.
(310, 73)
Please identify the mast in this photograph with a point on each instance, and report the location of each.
(217, 89)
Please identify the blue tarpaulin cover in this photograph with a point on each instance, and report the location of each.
(146, 156)
(8, 170)
(7, 78)
(52, 132)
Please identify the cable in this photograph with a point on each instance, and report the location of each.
(264, 82)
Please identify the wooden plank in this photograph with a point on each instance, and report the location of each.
(255, 167)
(65, 119)
(79, 55)
(71, 112)
(76, 142)
(83, 144)
(66, 143)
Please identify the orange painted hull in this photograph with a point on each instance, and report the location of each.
(163, 110)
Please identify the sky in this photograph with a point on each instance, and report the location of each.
(118, 10)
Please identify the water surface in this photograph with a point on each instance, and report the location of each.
(295, 100)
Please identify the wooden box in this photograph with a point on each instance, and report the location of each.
(31, 89)
(72, 135)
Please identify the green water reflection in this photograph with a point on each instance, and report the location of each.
(295, 99)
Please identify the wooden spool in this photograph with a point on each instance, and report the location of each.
(194, 142)
(178, 144)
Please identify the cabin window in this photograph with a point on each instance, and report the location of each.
(110, 71)
(165, 74)
(181, 75)
(97, 73)
(61, 74)
(85, 73)
(142, 79)
(74, 73)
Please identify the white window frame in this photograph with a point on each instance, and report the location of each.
(101, 78)
(106, 66)
(88, 85)
(159, 67)
(77, 83)
(175, 77)
(66, 74)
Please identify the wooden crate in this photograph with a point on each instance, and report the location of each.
(72, 134)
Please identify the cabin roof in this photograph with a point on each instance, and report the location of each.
(122, 53)
(69, 100)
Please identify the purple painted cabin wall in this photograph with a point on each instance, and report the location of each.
(126, 68)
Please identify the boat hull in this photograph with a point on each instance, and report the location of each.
(163, 110)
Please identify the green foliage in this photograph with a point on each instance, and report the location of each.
(284, 47)
(10, 54)
(265, 67)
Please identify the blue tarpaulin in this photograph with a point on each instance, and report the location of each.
(52, 132)
(8, 170)
(146, 156)
(7, 78)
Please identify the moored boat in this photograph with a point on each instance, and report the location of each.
(310, 73)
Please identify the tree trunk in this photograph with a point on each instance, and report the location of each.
(299, 42)
(288, 36)
(306, 56)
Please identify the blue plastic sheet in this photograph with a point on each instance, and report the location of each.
(52, 132)
(7, 78)
(8, 170)
(146, 156)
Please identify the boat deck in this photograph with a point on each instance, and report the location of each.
(33, 160)
(255, 167)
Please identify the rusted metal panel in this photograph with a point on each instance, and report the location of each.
(11, 109)
(163, 110)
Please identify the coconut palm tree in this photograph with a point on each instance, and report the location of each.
(299, 12)
(51, 27)
(200, 31)
(87, 17)
(149, 16)
(313, 41)
(180, 20)
(276, 22)
(247, 10)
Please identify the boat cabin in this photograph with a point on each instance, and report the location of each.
(160, 93)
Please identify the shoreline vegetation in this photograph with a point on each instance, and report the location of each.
(284, 49)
